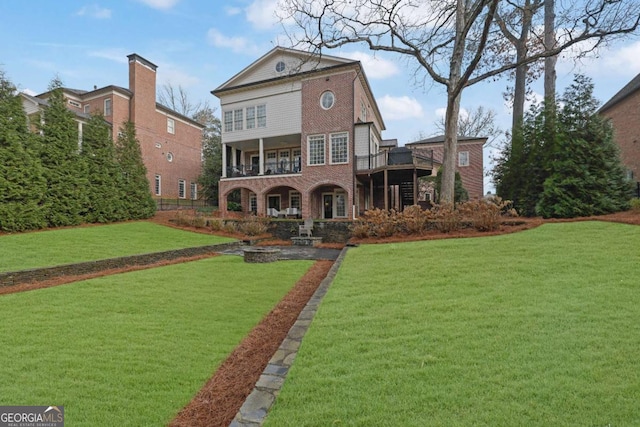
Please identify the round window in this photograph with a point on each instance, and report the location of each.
(170, 157)
(327, 100)
(280, 66)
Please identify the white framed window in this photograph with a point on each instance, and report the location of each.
(228, 121)
(182, 184)
(297, 156)
(341, 205)
(171, 125)
(283, 161)
(280, 66)
(87, 109)
(272, 161)
(339, 147)
(107, 107)
(237, 119)
(273, 201)
(170, 157)
(363, 111)
(251, 117)
(158, 185)
(194, 191)
(261, 111)
(315, 150)
(295, 199)
(463, 158)
(74, 103)
(253, 203)
(327, 99)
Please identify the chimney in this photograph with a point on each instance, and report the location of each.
(142, 83)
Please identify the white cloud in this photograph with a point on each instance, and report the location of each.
(115, 55)
(621, 61)
(262, 14)
(171, 74)
(442, 112)
(160, 4)
(236, 44)
(29, 92)
(374, 66)
(400, 107)
(231, 11)
(94, 11)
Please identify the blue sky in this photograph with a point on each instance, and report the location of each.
(199, 44)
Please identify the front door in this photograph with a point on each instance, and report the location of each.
(327, 201)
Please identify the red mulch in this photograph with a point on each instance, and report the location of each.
(217, 403)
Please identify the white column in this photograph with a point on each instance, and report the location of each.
(224, 160)
(261, 156)
(234, 158)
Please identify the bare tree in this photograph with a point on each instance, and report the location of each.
(480, 122)
(178, 100)
(447, 39)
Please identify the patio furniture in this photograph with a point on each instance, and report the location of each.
(292, 212)
(273, 212)
(306, 228)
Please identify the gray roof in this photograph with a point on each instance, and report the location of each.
(439, 139)
(629, 89)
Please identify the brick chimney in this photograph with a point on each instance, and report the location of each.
(142, 82)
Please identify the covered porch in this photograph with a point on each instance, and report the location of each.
(262, 156)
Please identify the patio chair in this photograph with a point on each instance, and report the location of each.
(306, 228)
(273, 212)
(292, 212)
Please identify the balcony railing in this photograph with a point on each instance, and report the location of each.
(393, 158)
(281, 167)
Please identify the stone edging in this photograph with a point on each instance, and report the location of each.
(256, 407)
(34, 275)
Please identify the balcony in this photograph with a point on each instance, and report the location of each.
(398, 158)
(281, 167)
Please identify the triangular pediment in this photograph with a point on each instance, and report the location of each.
(280, 63)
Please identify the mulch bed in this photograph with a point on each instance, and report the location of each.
(217, 403)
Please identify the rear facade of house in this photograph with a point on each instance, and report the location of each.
(171, 144)
(301, 136)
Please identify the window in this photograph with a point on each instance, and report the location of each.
(280, 66)
(327, 100)
(74, 103)
(228, 121)
(283, 163)
(237, 119)
(363, 111)
(87, 109)
(170, 157)
(297, 164)
(171, 125)
(262, 116)
(158, 185)
(182, 188)
(253, 203)
(251, 117)
(341, 205)
(339, 152)
(294, 199)
(463, 158)
(272, 160)
(107, 107)
(194, 191)
(316, 150)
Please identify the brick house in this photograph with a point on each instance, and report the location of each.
(470, 163)
(301, 135)
(623, 109)
(171, 143)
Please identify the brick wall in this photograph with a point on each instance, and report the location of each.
(625, 119)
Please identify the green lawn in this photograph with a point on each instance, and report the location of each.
(67, 245)
(539, 328)
(133, 349)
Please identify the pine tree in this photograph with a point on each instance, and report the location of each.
(64, 168)
(104, 196)
(137, 200)
(586, 176)
(22, 185)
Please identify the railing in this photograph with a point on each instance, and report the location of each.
(391, 158)
(173, 204)
(281, 167)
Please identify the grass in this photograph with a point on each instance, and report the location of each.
(69, 245)
(537, 328)
(133, 349)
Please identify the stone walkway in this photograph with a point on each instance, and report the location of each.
(292, 252)
(255, 409)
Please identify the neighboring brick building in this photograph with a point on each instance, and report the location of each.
(623, 109)
(171, 143)
(470, 161)
(302, 134)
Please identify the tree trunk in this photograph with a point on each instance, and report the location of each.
(550, 43)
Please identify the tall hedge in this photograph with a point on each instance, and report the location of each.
(22, 184)
(64, 169)
(137, 200)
